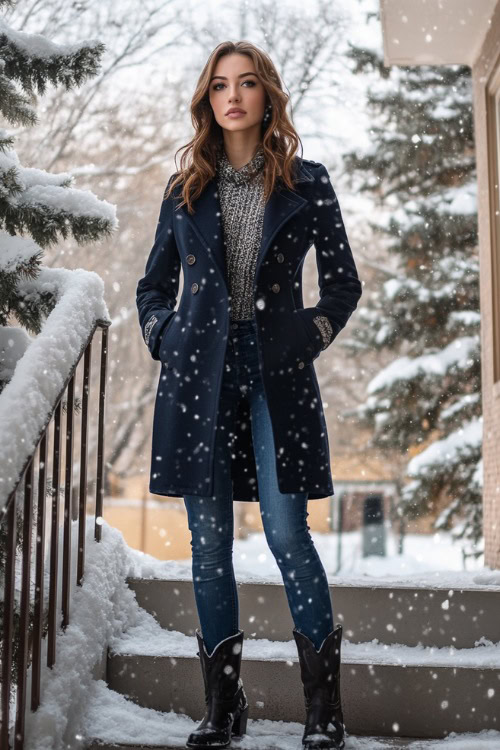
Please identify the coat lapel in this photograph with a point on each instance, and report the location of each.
(207, 218)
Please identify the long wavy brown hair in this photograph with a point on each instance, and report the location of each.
(280, 140)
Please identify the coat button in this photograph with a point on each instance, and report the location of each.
(280, 257)
(194, 287)
(275, 288)
(301, 365)
(191, 259)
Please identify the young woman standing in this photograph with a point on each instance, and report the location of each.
(238, 413)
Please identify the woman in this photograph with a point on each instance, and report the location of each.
(238, 412)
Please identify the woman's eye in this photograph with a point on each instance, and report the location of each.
(215, 88)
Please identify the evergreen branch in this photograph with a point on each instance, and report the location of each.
(15, 107)
(45, 223)
(9, 185)
(6, 141)
(11, 272)
(31, 306)
(66, 65)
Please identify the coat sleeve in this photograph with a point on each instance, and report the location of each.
(339, 284)
(156, 293)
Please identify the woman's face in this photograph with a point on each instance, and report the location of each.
(235, 84)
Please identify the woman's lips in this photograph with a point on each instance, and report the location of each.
(235, 115)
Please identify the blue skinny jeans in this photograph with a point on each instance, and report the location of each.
(284, 516)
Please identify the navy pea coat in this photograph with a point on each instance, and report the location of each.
(190, 342)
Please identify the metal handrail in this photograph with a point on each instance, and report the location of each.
(30, 643)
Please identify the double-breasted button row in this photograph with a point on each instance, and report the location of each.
(192, 259)
(275, 288)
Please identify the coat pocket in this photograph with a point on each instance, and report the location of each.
(309, 347)
(167, 345)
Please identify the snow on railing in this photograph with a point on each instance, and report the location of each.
(28, 400)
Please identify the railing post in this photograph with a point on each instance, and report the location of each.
(82, 500)
(100, 438)
(68, 487)
(24, 606)
(8, 616)
(54, 540)
(39, 582)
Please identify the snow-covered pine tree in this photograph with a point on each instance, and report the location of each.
(35, 203)
(425, 310)
(32, 201)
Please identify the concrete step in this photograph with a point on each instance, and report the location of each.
(410, 615)
(385, 691)
(120, 724)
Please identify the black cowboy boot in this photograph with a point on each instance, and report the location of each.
(227, 705)
(320, 672)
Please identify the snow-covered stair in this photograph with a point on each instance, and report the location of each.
(120, 724)
(416, 663)
(447, 613)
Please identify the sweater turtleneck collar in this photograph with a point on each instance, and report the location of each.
(245, 174)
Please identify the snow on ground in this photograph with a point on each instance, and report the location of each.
(101, 608)
(104, 611)
(428, 560)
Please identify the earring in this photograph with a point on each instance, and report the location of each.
(267, 113)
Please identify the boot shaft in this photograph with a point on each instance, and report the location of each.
(226, 703)
(320, 670)
(221, 669)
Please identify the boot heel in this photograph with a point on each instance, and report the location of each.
(240, 724)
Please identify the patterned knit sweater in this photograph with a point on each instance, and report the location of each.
(241, 193)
